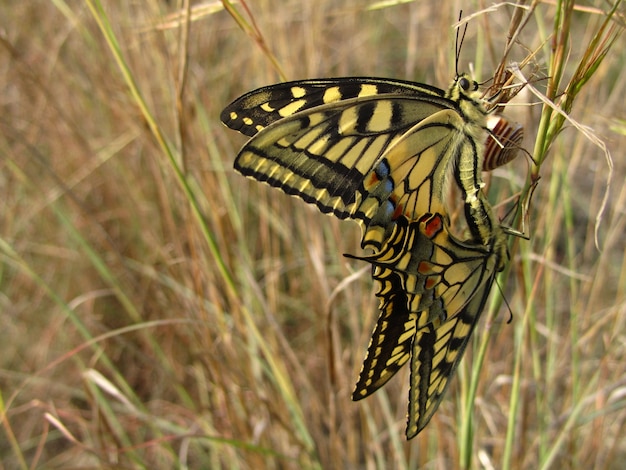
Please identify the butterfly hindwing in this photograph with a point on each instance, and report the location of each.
(436, 353)
(461, 275)
(419, 166)
(432, 288)
(390, 346)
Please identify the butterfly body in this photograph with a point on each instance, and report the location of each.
(384, 153)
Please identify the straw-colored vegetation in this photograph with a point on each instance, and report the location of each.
(160, 311)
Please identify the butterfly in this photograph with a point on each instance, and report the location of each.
(385, 154)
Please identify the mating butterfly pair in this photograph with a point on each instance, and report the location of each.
(384, 153)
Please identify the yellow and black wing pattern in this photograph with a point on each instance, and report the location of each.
(431, 298)
(259, 108)
(384, 153)
(323, 152)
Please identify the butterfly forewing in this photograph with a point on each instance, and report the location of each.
(327, 154)
(259, 108)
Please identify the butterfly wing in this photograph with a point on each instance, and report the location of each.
(324, 155)
(436, 353)
(412, 176)
(259, 108)
(433, 287)
(390, 346)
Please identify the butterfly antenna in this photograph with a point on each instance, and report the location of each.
(459, 43)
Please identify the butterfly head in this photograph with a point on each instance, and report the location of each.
(463, 86)
(466, 84)
(464, 92)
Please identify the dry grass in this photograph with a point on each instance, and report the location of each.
(160, 311)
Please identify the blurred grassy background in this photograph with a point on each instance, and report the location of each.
(160, 311)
